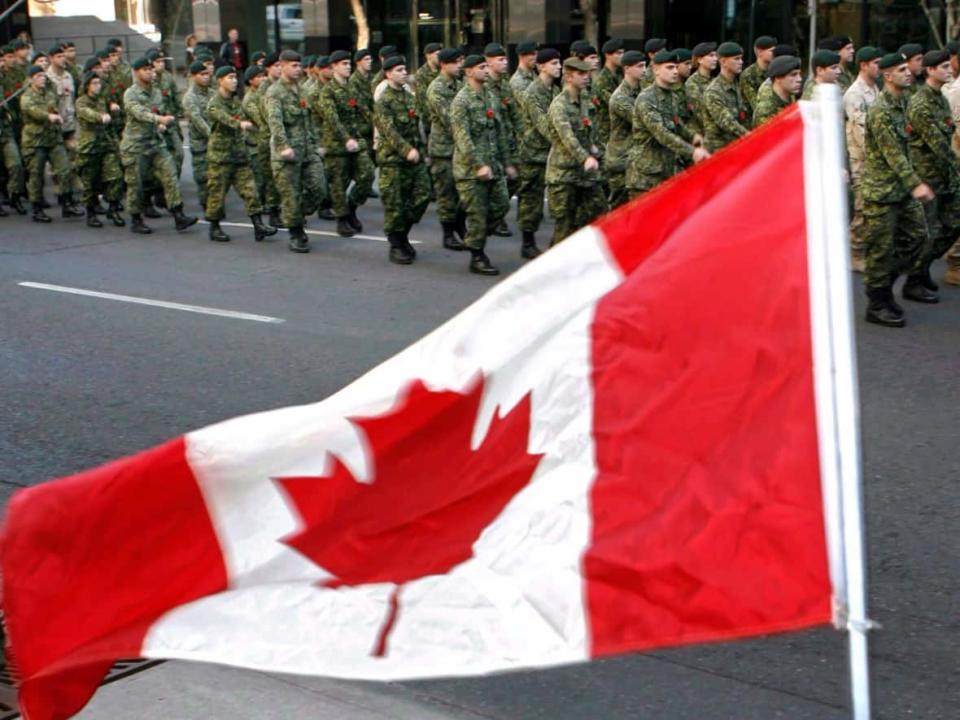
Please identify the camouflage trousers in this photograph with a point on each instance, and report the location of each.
(198, 160)
(36, 160)
(856, 217)
(174, 141)
(530, 196)
(140, 170)
(943, 227)
(341, 170)
(301, 190)
(264, 172)
(100, 173)
(405, 193)
(895, 235)
(573, 206)
(220, 178)
(14, 165)
(445, 187)
(485, 204)
(617, 184)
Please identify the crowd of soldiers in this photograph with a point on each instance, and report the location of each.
(301, 135)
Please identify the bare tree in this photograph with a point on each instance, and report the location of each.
(360, 17)
(953, 18)
(589, 10)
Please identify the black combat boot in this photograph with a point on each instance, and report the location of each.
(325, 212)
(529, 249)
(501, 229)
(461, 224)
(216, 232)
(16, 202)
(150, 211)
(68, 208)
(92, 220)
(914, 289)
(880, 310)
(39, 215)
(344, 227)
(298, 240)
(399, 253)
(450, 239)
(927, 280)
(159, 200)
(480, 263)
(137, 226)
(406, 242)
(113, 215)
(182, 221)
(261, 231)
(352, 217)
(273, 217)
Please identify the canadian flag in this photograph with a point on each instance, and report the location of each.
(630, 443)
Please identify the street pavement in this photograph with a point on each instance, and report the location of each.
(87, 379)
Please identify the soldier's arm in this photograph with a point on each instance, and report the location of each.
(653, 122)
(217, 113)
(749, 94)
(920, 116)
(437, 108)
(721, 114)
(250, 110)
(390, 137)
(274, 113)
(561, 126)
(460, 125)
(539, 113)
(886, 141)
(196, 115)
(134, 107)
(331, 117)
(87, 111)
(33, 108)
(176, 102)
(853, 109)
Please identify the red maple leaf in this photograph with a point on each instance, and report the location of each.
(429, 499)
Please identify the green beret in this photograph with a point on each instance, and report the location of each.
(783, 65)
(683, 55)
(936, 57)
(632, 57)
(222, 72)
(115, 42)
(251, 72)
(449, 55)
(577, 46)
(323, 61)
(290, 56)
(103, 54)
(152, 55)
(91, 63)
(67, 44)
(432, 48)
(831, 43)
(654, 45)
(953, 47)
(824, 58)
(577, 64)
(273, 58)
(892, 60)
(17, 44)
(55, 50)
(140, 63)
(765, 42)
(308, 60)
(612, 45)
(586, 50)
(868, 53)
(361, 54)
(339, 56)
(704, 48)
(527, 47)
(473, 60)
(911, 50)
(393, 61)
(34, 70)
(494, 50)
(387, 51)
(257, 57)
(87, 78)
(785, 49)
(6, 50)
(729, 49)
(197, 67)
(665, 56)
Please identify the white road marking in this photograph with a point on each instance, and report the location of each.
(325, 233)
(155, 303)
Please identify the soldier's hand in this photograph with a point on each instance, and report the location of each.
(114, 107)
(697, 140)
(594, 150)
(923, 193)
(511, 172)
(287, 154)
(106, 118)
(167, 119)
(484, 172)
(700, 154)
(246, 125)
(591, 164)
(413, 156)
(352, 145)
(54, 118)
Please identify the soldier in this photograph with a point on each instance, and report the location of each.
(684, 68)
(526, 71)
(143, 152)
(385, 52)
(298, 182)
(535, 147)
(914, 54)
(826, 70)
(603, 85)
(271, 63)
(499, 84)
(195, 102)
(60, 81)
(952, 92)
(228, 159)
(932, 128)
(322, 66)
(440, 95)
(425, 75)
(856, 101)
(846, 52)
(660, 141)
(98, 160)
(651, 47)
(895, 228)
(346, 149)
(362, 91)
(70, 53)
(752, 78)
(725, 111)
(481, 158)
(705, 59)
(41, 143)
(622, 102)
(404, 180)
(9, 143)
(574, 193)
(254, 76)
(170, 105)
(785, 82)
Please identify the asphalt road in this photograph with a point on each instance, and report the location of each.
(87, 379)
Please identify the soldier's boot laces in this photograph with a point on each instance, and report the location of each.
(113, 215)
(399, 253)
(137, 226)
(39, 215)
(182, 221)
(480, 264)
(344, 228)
(914, 289)
(529, 249)
(216, 232)
(880, 309)
(16, 202)
(68, 208)
(92, 220)
(952, 276)
(298, 240)
(261, 231)
(450, 240)
(501, 229)
(354, 220)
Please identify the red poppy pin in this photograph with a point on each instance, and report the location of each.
(411, 113)
(236, 117)
(743, 115)
(303, 103)
(17, 85)
(166, 93)
(909, 129)
(949, 122)
(676, 120)
(352, 103)
(489, 114)
(7, 93)
(505, 102)
(586, 122)
(154, 109)
(595, 100)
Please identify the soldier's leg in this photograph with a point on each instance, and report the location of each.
(948, 206)
(561, 198)
(246, 185)
(441, 170)
(419, 192)
(338, 179)
(363, 172)
(288, 176)
(392, 195)
(175, 146)
(952, 276)
(14, 165)
(36, 159)
(912, 242)
(473, 198)
(314, 183)
(218, 183)
(111, 177)
(591, 204)
(498, 201)
(88, 169)
(530, 197)
(270, 195)
(199, 162)
(856, 224)
(880, 260)
(134, 169)
(617, 181)
(62, 169)
(166, 173)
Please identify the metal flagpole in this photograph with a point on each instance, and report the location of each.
(812, 9)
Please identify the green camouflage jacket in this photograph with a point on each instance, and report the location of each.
(647, 79)
(252, 109)
(375, 80)
(572, 136)
(509, 110)
(768, 104)
(362, 91)
(289, 119)
(117, 81)
(750, 81)
(604, 85)
(227, 144)
(520, 81)
(93, 137)
(535, 142)
(12, 80)
(930, 132)
(726, 116)
(660, 140)
(888, 174)
(694, 87)
(38, 131)
(171, 104)
(622, 103)
(342, 118)
(440, 95)
(398, 126)
(479, 133)
(846, 78)
(141, 107)
(421, 82)
(195, 102)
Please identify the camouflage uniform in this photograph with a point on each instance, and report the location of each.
(480, 138)
(42, 142)
(768, 104)
(171, 105)
(895, 230)
(143, 152)
(846, 78)
(520, 81)
(298, 182)
(440, 95)
(98, 160)
(343, 119)
(258, 113)
(195, 102)
(362, 91)
(513, 125)
(660, 141)
(421, 82)
(695, 85)
(725, 114)
(604, 85)
(13, 80)
(228, 159)
(750, 81)
(11, 153)
(856, 101)
(622, 103)
(405, 185)
(575, 197)
(117, 81)
(534, 149)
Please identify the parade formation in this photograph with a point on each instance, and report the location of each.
(301, 136)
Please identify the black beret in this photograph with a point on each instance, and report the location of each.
(339, 56)
(141, 62)
(87, 79)
(782, 65)
(911, 50)
(69, 44)
(449, 55)
(309, 60)
(953, 46)
(683, 55)
(103, 54)
(632, 57)
(34, 70)
(494, 50)
(546, 55)
(824, 58)
(273, 58)
(785, 49)
(91, 63)
(892, 60)
(729, 49)
(258, 56)
(224, 71)
(361, 54)
(704, 48)
(432, 48)
(251, 72)
(578, 45)
(527, 47)
(114, 41)
(665, 56)
(323, 61)
(936, 57)
(612, 45)
(765, 42)
(393, 61)
(290, 56)
(586, 50)
(387, 51)
(830, 43)
(654, 45)
(56, 49)
(197, 67)
(473, 60)
(868, 53)
(17, 44)
(152, 55)
(844, 40)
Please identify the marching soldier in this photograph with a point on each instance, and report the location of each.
(660, 141)
(481, 159)
(952, 92)
(195, 102)
(785, 81)
(362, 91)
(254, 76)
(603, 85)
(228, 159)
(9, 138)
(271, 63)
(725, 116)
(499, 84)
(526, 71)
(404, 180)
(914, 54)
(705, 59)
(170, 105)
(846, 52)
(70, 53)
(752, 78)
(385, 52)
(574, 193)
(651, 47)
(826, 70)
(622, 103)
(98, 160)
(440, 96)
(422, 78)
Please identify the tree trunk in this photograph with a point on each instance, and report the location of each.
(360, 17)
(930, 19)
(589, 10)
(953, 19)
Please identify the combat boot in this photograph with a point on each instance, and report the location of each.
(880, 310)
(450, 240)
(407, 244)
(216, 232)
(92, 220)
(98, 208)
(113, 215)
(16, 202)
(480, 264)
(325, 212)
(299, 243)
(914, 289)
(159, 200)
(501, 229)
(39, 215)
(461, 224)
(150, 211)
(344, 227)
(952, 276)
(182, 221)
(68, 208)
(399, 253)
(261, 231)
(137, 226)
(529, 249)
(927, 280)
(352, 217)
(273, 217)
